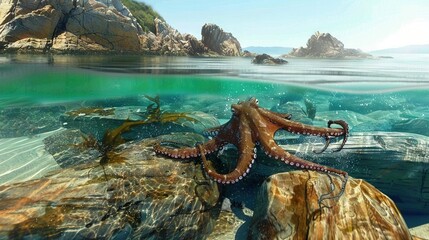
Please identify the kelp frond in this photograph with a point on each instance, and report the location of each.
(154, 114)
(113, 138)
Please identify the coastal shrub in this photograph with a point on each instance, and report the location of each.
(143, 13)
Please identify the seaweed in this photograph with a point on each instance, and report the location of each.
(310, 109)
(154, 114)
(113, 138)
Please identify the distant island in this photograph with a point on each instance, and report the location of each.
(98, 26)
(324, 45)
(411, 49)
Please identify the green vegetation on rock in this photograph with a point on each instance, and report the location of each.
(143, 13)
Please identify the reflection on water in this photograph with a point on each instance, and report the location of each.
(403, 71)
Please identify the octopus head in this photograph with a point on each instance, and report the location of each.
(244, 106)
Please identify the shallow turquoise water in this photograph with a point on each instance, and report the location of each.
(372, 95)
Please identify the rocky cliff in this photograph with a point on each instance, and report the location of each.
(99, 26)
(59, 25)
(220, 42)
(324, 45)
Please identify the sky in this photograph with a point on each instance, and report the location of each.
(364, 24)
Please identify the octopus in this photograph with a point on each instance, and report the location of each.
(251, 126)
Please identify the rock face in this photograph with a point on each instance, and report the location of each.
(142, 196)
(268, 60)
(287, 208)
(324, 45)
(169, 41)
(99, 26)
(220, 42)
(108, 25)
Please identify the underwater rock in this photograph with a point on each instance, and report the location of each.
(417, 125)
(369, 104)
(142, 196)
(226, 226)
(324, 45)
(231, 223)
(395, 163)
(287, 207)
(298, 113)
(220, 42)
(28, 121)
(268, 60)
(68, 148)
(421, 231)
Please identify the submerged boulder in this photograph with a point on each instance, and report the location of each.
(288, 207)
(136, 195)
(29, 121)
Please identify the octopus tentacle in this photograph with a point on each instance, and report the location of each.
(187, 152)
(327, 142)
(275, 151)
(345, 127)
(214, 131)
(245, 161)
(300, 128)
(339, 194)
(250, 125)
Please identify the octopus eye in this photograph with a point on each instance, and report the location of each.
(256, 101)
(232, 110)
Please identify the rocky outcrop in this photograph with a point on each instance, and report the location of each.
(220, 42)
(136, 196)
(268, 60)
(288, 207)
(99, 26)
(169, 41)
(37, 25)
(324, 45)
